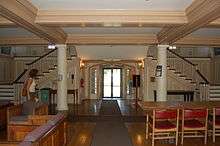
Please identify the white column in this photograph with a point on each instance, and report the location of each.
(62, 78)
(162, 80)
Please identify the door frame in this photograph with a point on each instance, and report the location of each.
(121, 84)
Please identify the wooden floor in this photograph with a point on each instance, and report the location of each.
(80, 133)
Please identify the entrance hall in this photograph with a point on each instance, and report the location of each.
(109, 72)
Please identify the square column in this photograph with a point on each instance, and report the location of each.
(62, 78)
(162, 80)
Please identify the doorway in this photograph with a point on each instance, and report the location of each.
(111, 82)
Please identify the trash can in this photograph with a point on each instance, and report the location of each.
(44, 95)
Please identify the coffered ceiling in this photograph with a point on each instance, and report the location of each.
(155, 5)
(101, 22)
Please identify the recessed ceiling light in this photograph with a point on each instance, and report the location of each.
(112, 24)
(51, 46)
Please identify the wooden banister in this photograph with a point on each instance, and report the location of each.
(41, 57)
(181, 57)
(192, 64)
(202, 76)
(19, 77)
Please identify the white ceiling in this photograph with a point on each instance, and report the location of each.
(13, 32)
(212, 32)
(17, 31)
(111, 30)
(90, 52)
(157, 5)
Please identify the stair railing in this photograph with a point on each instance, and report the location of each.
(43, 64)
(190, 72)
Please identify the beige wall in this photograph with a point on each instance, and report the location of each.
(215, 70)
(6, 69)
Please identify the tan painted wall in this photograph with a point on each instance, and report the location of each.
(215, 70)
(6, 69)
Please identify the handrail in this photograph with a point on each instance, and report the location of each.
(20, 76)
(181, 57)
(189, 62)
(202, 76)
(41, 57)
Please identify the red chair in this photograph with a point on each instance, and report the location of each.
(216, 123)
(164, 124)
(193, 122)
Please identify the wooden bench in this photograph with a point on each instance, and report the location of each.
(53, 133)
(3, 113)
(20, 125)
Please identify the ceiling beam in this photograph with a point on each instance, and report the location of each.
(22, 41)
(112, 40)
(100, 17)
(199, 14)
(23, 14)
(92, 18)
(6, 23)
(71, 18)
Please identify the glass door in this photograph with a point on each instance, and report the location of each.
(112, 83)
(107, 77)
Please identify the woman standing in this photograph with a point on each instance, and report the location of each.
(31, 85)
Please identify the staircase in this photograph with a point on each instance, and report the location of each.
(183, 74)
(214, 92)
(7, 92)
(46, 66)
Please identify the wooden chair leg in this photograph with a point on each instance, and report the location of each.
(153, 138)
(182, 136)
(177, 137)
(206, 133)
(213, 134)
(147, 128)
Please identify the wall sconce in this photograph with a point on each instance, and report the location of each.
(82, 64)
(141, 64)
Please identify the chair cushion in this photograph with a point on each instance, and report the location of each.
(164, 125)
(28, 108)
(193, 124)
(18, 119)
(217, 122)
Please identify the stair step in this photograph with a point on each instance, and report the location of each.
(45, 72)
(7, 98)
(177, 72)
(215, 87)
(193, 82)
(182, 76)
(51, 69)
(6, 87)
(8, 94)
(189, 79)
(7, 90)
(40, 75)
(154, 58)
